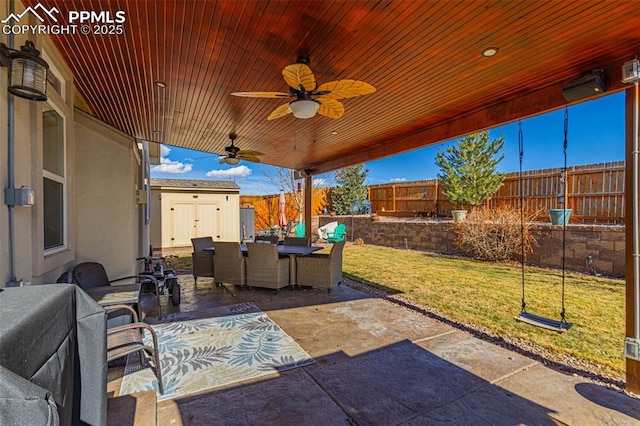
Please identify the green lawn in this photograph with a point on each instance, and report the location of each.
(488, 295)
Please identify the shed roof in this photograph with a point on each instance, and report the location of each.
(195, 184)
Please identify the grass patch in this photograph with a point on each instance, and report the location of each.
(181, 263)
(488, 295)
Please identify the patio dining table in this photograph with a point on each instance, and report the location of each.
(284, 250)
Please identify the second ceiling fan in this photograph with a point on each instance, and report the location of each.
(233, 155)
(309, 97)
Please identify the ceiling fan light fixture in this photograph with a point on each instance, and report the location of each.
(304, 108)
(232, 161)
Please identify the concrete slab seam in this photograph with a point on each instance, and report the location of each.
(424, 339)
(516, 371)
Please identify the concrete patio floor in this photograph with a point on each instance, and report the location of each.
(378, 363)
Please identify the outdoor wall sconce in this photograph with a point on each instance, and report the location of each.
(27, 71)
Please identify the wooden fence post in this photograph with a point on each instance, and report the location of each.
(394, 197)
(567, 187)
(436, 199)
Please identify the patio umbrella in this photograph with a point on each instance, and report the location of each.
(282, 220)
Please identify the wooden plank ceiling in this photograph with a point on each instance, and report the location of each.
(423, 57)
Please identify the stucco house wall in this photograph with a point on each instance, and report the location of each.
(107, 212)
(32, 264)
(102, 172)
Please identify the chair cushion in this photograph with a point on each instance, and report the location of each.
(324, 230)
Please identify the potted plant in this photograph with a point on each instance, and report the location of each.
(468, 171)
(561, 215)
(458, 215)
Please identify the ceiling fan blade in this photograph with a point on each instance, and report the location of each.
(343, 89)
(281, 111)
(250, 152)
(262, 94)
(251, 158)
(206, 156)
(297, 75)
(330, 108)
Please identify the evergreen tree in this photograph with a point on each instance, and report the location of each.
(350, 188)
(468, 169)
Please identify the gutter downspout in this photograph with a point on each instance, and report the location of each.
(146, 215)
(11, 170)
(636, 239)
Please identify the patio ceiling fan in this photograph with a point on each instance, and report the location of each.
(233, 154)
(309, 97)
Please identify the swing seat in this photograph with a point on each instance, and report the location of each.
(542, 322)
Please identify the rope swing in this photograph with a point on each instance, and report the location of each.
(547, 323)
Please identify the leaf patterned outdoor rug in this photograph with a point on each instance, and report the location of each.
(207, 353)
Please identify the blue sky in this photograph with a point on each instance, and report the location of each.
(596, 135)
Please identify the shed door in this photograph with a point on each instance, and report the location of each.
(183, 223)
(207, 220)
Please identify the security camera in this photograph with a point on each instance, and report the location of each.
(299, 174)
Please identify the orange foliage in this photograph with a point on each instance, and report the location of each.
(267, 209)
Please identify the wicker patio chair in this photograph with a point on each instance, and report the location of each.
(297, 241)
(320, 270)
(264, 268)
(273, 239)
(127, 339)
(230, 264)
(92, 274)
(202, 260)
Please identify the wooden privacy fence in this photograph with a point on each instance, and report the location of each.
(594, 192)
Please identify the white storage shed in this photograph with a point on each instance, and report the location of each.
(183, 209)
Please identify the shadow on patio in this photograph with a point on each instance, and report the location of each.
(379, 363)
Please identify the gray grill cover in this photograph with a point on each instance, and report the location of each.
(52, 357)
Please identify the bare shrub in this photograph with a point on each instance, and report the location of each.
(359, 241)
(494, 234)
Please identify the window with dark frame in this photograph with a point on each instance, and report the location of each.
(53, 165)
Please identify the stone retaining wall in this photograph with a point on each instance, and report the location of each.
(601, 245)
